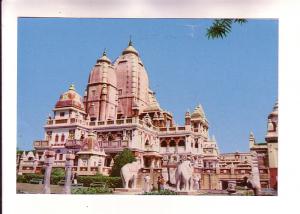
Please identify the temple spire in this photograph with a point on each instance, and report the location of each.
(104, 52)
(130, 41)
(72, 87)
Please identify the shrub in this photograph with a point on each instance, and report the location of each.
(30, 176)
(57, 172)
(21, 179)
(27, 177)
(124, 157)
(92, 190)
(111, 182)
(55, 179)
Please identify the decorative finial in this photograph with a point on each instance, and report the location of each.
(72, 87)
(130, 41)
(104, 52)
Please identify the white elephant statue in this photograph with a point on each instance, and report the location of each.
(183, 176)
(252, 184)
(129, 173)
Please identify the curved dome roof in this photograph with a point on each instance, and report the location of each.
(70, 99)
(130, 49)
(103, 72)
(90, 143)
(91, 146)
(198, 113)
(104, 58)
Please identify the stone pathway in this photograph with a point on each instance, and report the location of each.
(26, 188)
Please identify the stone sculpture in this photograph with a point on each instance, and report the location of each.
(196, 180)
(183, 176)
(147, 183)
(252, 184)
(129, 173)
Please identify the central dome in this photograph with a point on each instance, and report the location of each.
(70, 99)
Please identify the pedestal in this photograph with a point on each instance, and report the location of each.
(128, 191)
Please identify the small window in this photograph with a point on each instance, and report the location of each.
(62, 138)
(182, 143)
(56, 138)
(60, 156)
(120, 91)
(172, 143)
(62, 114)
(163, 144)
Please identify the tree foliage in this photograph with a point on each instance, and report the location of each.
(220, 28)
(58, 172)
(120, 160)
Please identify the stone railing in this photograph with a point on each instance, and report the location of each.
(117, 122)
(28, 163)
(113, 144)
(38, 144)
(59, 163)
(174, 129)
(73, 143)
(66, 121)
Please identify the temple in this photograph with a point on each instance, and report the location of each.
(119, 110)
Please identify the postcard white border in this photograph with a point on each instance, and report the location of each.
(286, 11)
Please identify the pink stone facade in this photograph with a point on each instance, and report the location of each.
(119, 110)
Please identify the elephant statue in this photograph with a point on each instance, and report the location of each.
(129, 174)
(183, 176)
(251, 184)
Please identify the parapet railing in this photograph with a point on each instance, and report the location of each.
(69, 121)
(41, 144)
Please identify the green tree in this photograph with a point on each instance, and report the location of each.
(124, 157)
(59, 172)
(220, 28)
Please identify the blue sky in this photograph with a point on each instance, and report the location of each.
(235, 79)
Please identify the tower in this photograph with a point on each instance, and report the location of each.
(132, 83)
(101, 97)
(272, 144)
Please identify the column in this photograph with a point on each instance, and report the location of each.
(176, 143)
(254, 169)
(68, 173)
(49, 159)
(168, 145)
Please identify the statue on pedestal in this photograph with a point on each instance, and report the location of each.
(147, 183)
(129, 173)
(183, 176)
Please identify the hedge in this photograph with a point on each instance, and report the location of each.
(27, 177)
(111, 182)
(92, 190)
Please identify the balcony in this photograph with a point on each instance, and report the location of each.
(114, 144)
(41, 144)
(173, 130)
(73, 143)
(66, 121)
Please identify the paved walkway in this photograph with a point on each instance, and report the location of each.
(37, 188)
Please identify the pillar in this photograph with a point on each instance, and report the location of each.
(68, 173)
(168, 144)
(254, 169)
(176, 142)
(49, 159)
